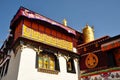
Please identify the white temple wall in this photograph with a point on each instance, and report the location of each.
(27, 70)
(13, 67)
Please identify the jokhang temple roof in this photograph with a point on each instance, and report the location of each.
(111, 43)
(32, 15)
(94, 41)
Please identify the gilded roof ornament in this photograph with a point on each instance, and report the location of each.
(64, 22)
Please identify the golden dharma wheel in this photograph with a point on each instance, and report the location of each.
(91, 60)
(88, 33)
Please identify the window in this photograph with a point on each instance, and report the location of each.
(70, 66)
(47, 62)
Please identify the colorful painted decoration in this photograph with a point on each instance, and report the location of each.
(111, 45)
(44, 38)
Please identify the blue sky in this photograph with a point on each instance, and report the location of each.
(104, 15)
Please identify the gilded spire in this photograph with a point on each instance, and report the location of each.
(88, 33)
(64, 22)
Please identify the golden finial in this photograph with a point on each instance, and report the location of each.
(64, 22)
(88, 33)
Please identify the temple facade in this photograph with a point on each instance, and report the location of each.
(39, 48)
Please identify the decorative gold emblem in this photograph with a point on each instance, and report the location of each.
(91, 60)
